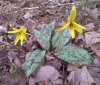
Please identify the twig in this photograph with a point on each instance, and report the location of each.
(67, 4)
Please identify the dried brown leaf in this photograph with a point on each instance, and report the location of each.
(3, 29)
(31, 81)
(55, 63)
(92, 38)
(81, 77)
(89, 26)
(95, 69)
(18, 62)
(96, 49)
(72, 67)
(48, 73)
(11, 56)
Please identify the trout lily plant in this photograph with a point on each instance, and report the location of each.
(54, 43)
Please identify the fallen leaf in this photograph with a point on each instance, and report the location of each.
(71, 76)
(96, 49)
(81, 77)
(89, 26)
(92, 38)
(11, 56)
(18, 62)
(85, 77)
(48, 73)
(55, 63)
(94, 71)
(31, 81)
(44, 83)
(72, 67)
(96, 61)
(95, 68)
(3, 29)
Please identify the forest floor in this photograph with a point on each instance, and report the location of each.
(33, 14)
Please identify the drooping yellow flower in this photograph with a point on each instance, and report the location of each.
(71, 24)
(20, 35)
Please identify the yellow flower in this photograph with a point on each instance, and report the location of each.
(21, 35)
(71, 24)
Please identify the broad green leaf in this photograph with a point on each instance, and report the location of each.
(74, 55)
(48, 30)
(42, 39)
(61, 38)
(34, 61)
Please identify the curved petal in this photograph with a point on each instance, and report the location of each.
(24, 33)
(63, 27)
(78, 27)
(73, 13)
(72, 31)
(15, 31)
(22, 38)
(17, 38)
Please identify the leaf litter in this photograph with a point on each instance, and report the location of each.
(38, 13)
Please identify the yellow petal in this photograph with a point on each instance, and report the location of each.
(13, 31)
(72, 31)
(73, 13)
(63, 27)
(17, 38)
(21, 39)
(24, 33)
(78, 27)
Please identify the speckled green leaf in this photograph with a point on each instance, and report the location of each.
(61, 38)
(48, 30)
(74, 55)
(33, 62)
(42, 39)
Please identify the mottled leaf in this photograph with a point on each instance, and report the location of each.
(48, 30)
(42, 39)
(61, 38)
(34, 61)
(74, 55)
